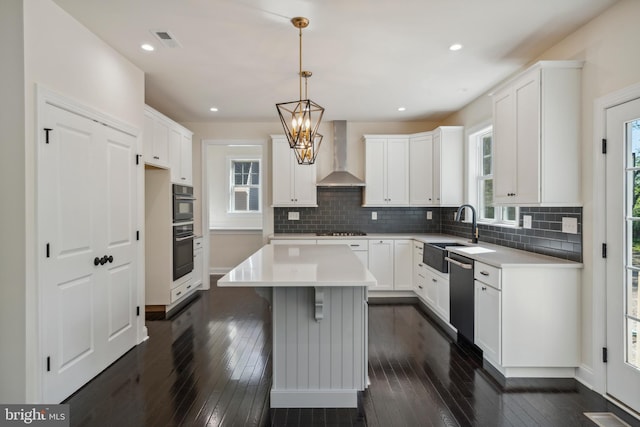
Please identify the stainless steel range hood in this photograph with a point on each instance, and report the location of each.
(340, 177)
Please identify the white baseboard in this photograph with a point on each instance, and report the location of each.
(585, 376)
(314, 398)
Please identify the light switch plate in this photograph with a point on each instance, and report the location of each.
(570, 225)
(294, 216)
(526, 221)
(429, 215)
(374, 216)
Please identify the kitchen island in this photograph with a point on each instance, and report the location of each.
(319, 319)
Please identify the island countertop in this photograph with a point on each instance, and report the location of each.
(300, 266)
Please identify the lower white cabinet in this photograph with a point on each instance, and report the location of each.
(402, 265)
(487, 321)
(381, 263)
(198, 261)
(527, 319)
(436, 292)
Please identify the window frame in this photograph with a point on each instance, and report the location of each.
(231, 160)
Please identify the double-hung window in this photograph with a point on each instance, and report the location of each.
(487, 212)
(244, 186)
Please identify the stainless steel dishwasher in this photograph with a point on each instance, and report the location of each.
(461, 295)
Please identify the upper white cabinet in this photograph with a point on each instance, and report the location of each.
(436, 167)
(536, 130)
(293, 184)
(156, 138)
(168, 145)
(386, 170)
(181, 156)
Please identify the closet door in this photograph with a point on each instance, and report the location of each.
(85, 213)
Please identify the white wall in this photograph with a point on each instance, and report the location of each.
(609, 46)
(65, 57)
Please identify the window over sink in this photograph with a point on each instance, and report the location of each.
(481, 172)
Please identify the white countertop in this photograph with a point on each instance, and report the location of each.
(299, 266)
(497, 256)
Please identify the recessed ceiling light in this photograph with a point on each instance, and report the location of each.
(147, 47)
(214, 109)
(402, 109)
(455, 46)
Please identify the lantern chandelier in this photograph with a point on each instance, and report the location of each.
(301, 119)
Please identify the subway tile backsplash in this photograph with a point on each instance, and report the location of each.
(340, 209)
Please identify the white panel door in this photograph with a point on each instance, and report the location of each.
(381, 264)
(85, 213)
(623, 253)
(420, 171)
(119, 219)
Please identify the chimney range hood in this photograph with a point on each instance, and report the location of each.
(340, 177)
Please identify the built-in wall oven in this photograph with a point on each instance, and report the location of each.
(182, 249)
(182, 203)
(182, 230)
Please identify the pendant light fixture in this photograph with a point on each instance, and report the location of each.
(301, 119)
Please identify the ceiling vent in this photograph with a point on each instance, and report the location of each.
(166, 38)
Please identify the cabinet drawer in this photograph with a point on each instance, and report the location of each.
(487, 274)
(354, 244)
(182, 290)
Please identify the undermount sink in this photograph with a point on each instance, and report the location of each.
(434, 254)
(474, 250)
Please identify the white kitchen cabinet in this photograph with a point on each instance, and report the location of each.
(536, 136)
(386, 171)
(156, 138)
(487, 317)
(181, 155)
(436, 167)
(360, 247)
(527, 319)
(293, 184)
(448, 164)
(421, 170)
(198, 262)
(381, 263)
(418, 275)
(402, 265)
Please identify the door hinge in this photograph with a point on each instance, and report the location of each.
(138, 235)
(48, 250)
(48, 364)
(604, 355)
(138, 159)
(604, 146)
(46, 133)
(604, 250)
(138, 311)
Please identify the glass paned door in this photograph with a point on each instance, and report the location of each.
(631, 317)
(623, 252)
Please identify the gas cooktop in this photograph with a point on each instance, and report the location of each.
(341, 233)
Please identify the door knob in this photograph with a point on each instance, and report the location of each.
(110, 259)
(103, 260)
(96, 261)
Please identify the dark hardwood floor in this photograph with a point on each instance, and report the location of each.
(210, 365)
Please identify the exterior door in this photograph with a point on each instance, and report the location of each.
(86, 211)
(623, 252)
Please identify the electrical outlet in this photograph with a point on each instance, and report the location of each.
(570, 225)
(374, 216)
(429, 215)
(294, 216)
(526, 221)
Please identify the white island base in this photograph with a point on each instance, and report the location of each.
(319, 312)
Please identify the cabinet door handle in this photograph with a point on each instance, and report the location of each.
(433, 280)
(484, 288)
(484, 273)
(156, 157)
(419, 286)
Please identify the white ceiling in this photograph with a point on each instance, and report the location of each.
(368, 57)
